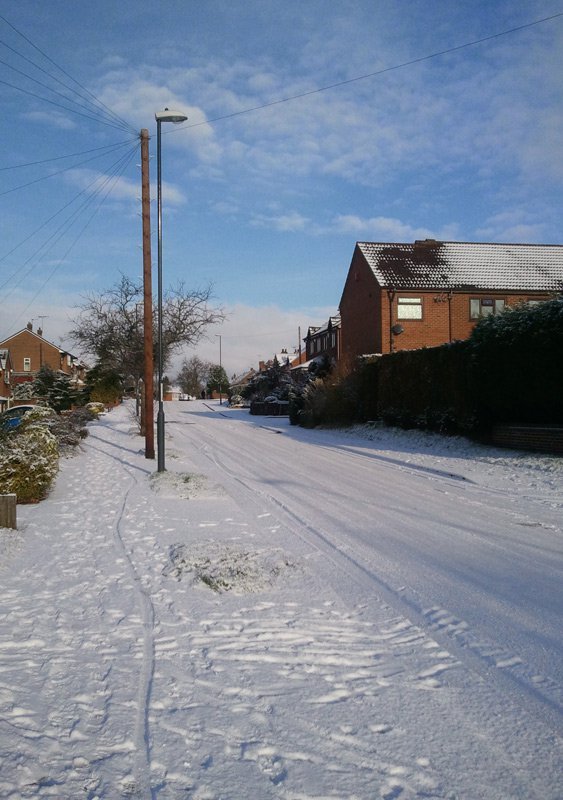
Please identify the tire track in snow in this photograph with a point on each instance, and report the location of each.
(491, 662)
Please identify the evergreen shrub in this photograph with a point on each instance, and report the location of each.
(517, 364)
(29, 461)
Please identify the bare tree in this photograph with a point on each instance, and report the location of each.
(109, 325)
(193, 375)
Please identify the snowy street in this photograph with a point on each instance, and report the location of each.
(285, 613)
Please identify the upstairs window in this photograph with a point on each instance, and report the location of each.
(484, 307)
(27, 365)
(409, 308)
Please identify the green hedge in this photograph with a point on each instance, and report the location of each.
(509, 370)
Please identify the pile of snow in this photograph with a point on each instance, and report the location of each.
(184, 485)
(495, 466)
(225, 568)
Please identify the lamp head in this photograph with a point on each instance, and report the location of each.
(170, 116)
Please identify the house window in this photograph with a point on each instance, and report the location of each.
(484, 307)
(27, 365)
(409, 308)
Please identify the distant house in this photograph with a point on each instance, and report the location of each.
(408, 296)
(30, 351)
(238, 382)
(5, 378)
(173, 393)
(283, 360)
(324, 340)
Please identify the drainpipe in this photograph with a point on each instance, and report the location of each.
(391, 296)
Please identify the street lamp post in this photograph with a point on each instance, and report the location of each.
(220, 371)
(161, 116)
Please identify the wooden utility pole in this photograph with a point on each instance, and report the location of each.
(147, 420)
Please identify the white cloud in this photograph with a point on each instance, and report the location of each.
(53, 118)
(441, 117)
(137, 99)
(292, 221)
(514, 225)
(254, 333)
(389, 229)
(249, 334)
(121, 188)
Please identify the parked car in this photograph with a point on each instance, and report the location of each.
(13, 416)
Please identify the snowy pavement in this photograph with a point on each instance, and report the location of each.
(284, 614)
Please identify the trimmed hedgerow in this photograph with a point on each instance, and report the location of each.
(517, 364)
(509, 370)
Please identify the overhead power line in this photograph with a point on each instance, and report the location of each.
(374, 74)
(103, 189)
(108, 147)
(102, 112)
(65, 169)
(101, 107)
(60, 105)
(52, 217)
(93, 111)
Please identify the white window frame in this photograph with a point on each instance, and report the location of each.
(485, 306)
(409, 308)
(27, 364)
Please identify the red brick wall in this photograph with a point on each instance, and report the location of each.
(27, 345)
(368, 313)
(462, 324)
(431, 330)
(542, 439)
(360, 310)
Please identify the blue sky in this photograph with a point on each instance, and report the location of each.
(267, 204)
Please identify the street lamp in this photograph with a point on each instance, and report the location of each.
(160, 117)
(220, 371)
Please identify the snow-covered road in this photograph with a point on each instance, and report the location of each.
(284, 614)
(477, 565)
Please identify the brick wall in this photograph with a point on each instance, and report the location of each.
(26, 344)
(539, 438)
(369, 313)
(360, 311)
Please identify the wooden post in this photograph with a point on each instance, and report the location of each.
(8, 511)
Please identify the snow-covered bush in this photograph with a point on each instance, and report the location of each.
(40, 415)
(24, 391)
(69, 428)
(314, 404)
(29, 461)
(96, 408)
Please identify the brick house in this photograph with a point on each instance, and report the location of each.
(5, 377)
(29, 351)
(408, 296)
(324, 340)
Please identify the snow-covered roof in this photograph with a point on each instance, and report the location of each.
(330, 324)
(243, 377)
(282, 358)
(430, 264)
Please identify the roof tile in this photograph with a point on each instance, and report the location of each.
(431, 264)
